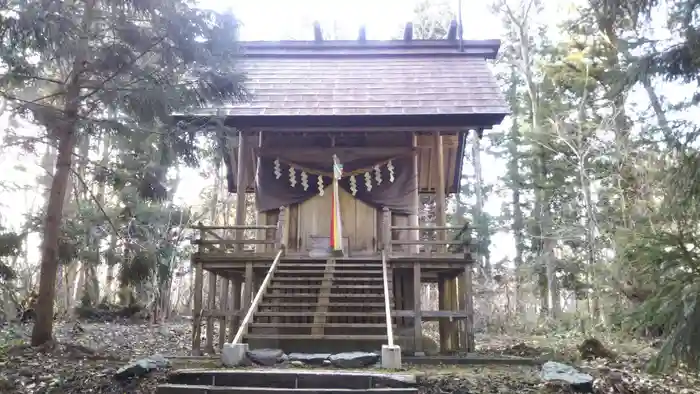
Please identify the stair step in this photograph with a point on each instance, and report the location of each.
(312, 325)
(316, 295)
(169, 388)
(318, 336)
(314, 313)
(319, 286)
(313, 305)
(334, 279)
(322, 271)
(336, 265)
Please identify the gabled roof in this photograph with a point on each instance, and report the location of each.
(368, 83)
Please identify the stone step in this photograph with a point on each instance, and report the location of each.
(270, 380)
(201, 389)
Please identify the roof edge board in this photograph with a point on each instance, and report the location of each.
(368, 44)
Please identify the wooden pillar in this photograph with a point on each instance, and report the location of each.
(248, 286)
(417, 308)
(386, 230)
(468, 305)
(440, 213)
(239, 220)
(211, 307)
(452, 305)
(241, 184)
(223, 300)
(413, 218)
(442, 327)
(260, 217)
(197, 309)
(441, 219)
(235, 306)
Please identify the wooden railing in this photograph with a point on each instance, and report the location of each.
(442, 244)
(387, 306)
(243, 329)
(233, 237)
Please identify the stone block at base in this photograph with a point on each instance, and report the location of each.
(234, 355)
(391, 357)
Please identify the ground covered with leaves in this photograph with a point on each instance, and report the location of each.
(85, 360)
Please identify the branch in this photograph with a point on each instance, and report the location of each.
(97, 202)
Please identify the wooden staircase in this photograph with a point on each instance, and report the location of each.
(322, 306)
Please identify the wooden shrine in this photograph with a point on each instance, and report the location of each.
(337, 144)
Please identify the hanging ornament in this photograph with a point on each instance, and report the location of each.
(378, 175)
(368, 181)
(320, 185)
(390, 166)
(305, 180)
(292, 176)
(278, 169)
(353, 185)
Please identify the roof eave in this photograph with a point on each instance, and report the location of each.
(487, 49)
(352, 122)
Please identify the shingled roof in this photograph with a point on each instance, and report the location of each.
(370, 83)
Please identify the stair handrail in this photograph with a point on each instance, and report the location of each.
(256, 301)
(387, 308)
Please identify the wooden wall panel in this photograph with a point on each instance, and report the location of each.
(359, 222)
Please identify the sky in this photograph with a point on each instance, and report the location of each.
(293, 19)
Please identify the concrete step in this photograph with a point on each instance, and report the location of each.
(201, 389)
(285, 381)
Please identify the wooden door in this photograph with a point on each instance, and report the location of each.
(359, 223)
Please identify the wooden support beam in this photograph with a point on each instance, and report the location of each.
(211, 304)
(417, 320)
(223, 299)
(453, 326)
(469, 308)
(442, 303)
(241, 184)
(386, 230)
(248, 286)
(235, 307)
(197, 309)
(440, 211)
(408, 32)
(413, 218)
(318, 34)
(260, 217)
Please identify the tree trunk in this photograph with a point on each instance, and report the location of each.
(518, 224)
(65, 133)
(43, 327)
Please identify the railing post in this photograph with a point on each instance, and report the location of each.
(200, 246)
(280, 236)
(386, 230)
(391, 354)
